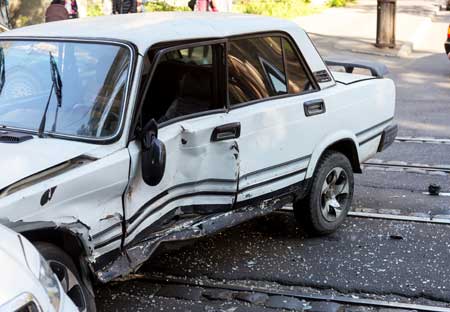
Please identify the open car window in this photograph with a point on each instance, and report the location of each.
(185, 83)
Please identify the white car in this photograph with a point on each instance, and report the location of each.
(26, 281)
(134, 130)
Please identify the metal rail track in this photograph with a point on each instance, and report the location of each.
(406, 166)
(395, 217)
(422, 140)
(384, 216)
(295, 294)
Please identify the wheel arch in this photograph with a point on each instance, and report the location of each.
(64, 239)
(67, 238)
(343, 142)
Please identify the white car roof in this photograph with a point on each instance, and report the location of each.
(146, 29)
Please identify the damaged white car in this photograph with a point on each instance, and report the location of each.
(28, 283)
(120, 133)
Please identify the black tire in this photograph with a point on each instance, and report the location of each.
(313, 211)
(60, 261)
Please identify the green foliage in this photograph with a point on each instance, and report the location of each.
(94, 10)
(22, 21)
(339, 3)
(278, 8)
(153, 6)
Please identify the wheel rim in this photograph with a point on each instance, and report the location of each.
(70, 284)
(334, 195)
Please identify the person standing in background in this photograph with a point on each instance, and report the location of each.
(56, 11)
(124, 6)
(206, 5)
(72, 8)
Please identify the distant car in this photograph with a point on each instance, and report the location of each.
(447, 43)
(27, 283)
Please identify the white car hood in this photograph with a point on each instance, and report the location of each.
(21, 160)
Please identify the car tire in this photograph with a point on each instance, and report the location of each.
(66, 271)
(324, 209)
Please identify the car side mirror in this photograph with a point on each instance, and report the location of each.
(153, 154)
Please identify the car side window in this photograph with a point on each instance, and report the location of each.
(255, 69)
(185, 82)
(264, 67)
(298, 80)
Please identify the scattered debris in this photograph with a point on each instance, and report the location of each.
(396, 236)
(434, 189)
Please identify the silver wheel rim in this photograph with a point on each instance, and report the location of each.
(334, 195)
(70, 284)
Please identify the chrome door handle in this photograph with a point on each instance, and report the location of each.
(226, 132)
(314, 107)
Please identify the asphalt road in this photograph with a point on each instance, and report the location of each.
(404, 260)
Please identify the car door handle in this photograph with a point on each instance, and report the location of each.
(314, 107)
(226, 132)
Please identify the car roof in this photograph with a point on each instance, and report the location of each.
(146, 29)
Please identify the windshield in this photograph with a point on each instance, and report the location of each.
(89, 100)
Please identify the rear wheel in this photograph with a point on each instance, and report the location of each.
(68, 275)
(330, 197)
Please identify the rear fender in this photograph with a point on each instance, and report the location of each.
(325, 144)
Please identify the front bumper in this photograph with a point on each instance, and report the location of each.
(388, 137)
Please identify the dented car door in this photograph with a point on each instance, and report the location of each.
(201, 152)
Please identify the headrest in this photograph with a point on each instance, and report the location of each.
(197, 84)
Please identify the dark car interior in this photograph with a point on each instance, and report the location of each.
(183, 84)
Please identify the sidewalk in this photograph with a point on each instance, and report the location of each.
(355, 25)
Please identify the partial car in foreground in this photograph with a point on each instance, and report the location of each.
(160, 127)
(27, 283)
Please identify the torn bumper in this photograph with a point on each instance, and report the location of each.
(388, 137)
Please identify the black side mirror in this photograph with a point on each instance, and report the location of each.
(153, 154)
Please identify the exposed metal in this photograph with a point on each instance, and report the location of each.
(422, 140)
(398, 217)
(424, 167)
(296, 294)
(406, 218)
